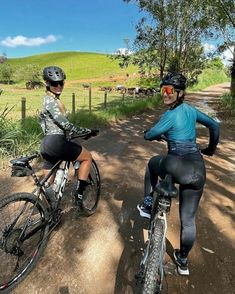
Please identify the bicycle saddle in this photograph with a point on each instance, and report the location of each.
(23, 161)
(166, 187)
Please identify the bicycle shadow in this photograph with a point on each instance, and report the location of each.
(133, 230)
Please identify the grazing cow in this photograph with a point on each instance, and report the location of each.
(86, 86)
(148, 91)
(121, 88)
(107, 89)
(33, 85)
(131, 91)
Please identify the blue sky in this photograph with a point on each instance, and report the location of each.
(29, 27)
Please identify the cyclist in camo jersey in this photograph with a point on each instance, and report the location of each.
(55, 126)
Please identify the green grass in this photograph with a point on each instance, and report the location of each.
(228, 102)
(208, 78)
(77, 65)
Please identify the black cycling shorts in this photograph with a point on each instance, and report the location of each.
(55, 147)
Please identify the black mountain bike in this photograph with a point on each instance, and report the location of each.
(151, 271)
(27, 219)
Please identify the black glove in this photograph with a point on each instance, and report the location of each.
(146, 131)
(93, 133)
(159, 139)
(208, 151)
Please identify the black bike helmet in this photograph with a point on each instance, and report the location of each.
(178, 81)
(53, 74)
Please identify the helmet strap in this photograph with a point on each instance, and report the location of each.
(179, 100)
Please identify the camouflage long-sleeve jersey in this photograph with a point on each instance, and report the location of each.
(54, 122)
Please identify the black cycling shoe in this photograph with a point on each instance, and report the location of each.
(144, 211)
(182, 263)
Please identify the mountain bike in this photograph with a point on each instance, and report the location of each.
(27, 219)
(151, 270)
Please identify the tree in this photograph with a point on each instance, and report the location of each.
(3, 58)
(221, 15)
(171, 35)
(6, 73)
(31, 74)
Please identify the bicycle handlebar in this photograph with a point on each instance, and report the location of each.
(73, 135)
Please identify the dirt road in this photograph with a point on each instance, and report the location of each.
(100, 254)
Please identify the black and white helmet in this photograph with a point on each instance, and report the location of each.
(53, 74)
(178, 81)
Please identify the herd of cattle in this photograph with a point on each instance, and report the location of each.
(139, 91)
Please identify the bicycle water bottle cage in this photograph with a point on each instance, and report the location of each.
(167, 187)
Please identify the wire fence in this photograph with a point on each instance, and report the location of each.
(92, 101)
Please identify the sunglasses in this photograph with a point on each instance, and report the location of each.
(169, 90)
(56, 84)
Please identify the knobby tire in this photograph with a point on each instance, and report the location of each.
(153, 268)
(23, 237)
(91, 195)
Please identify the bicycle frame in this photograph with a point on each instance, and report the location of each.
(40, 184)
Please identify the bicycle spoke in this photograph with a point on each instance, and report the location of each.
(22, 230)
(92, 193)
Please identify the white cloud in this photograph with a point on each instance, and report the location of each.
(209, 48)
(30, 42)
(227, 55)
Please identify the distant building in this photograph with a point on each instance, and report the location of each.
(123, 51)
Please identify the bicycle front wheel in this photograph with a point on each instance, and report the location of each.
(23, 237)
(91, 195)
(154, 267)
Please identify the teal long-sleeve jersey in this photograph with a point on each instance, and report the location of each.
(179, 125)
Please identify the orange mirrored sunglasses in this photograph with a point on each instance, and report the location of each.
(169, 90)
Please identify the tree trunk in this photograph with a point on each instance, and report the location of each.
(232, 88)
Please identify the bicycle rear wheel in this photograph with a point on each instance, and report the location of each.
(154, 268)
(23, 237)
(91, 195)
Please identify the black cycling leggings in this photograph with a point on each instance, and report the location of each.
(189, 172)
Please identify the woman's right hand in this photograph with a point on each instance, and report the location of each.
(93, 133)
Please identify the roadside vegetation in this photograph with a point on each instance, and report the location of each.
(226, 110)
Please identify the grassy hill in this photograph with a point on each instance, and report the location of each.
(77, 65)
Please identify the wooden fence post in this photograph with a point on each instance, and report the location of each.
(123, 96)
(23, 108)
(73, 103)
(105, 99)
(90, 99)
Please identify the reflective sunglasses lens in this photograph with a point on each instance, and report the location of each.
(167, 90)
(56, 84)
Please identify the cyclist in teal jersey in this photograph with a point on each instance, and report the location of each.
(183, 161)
